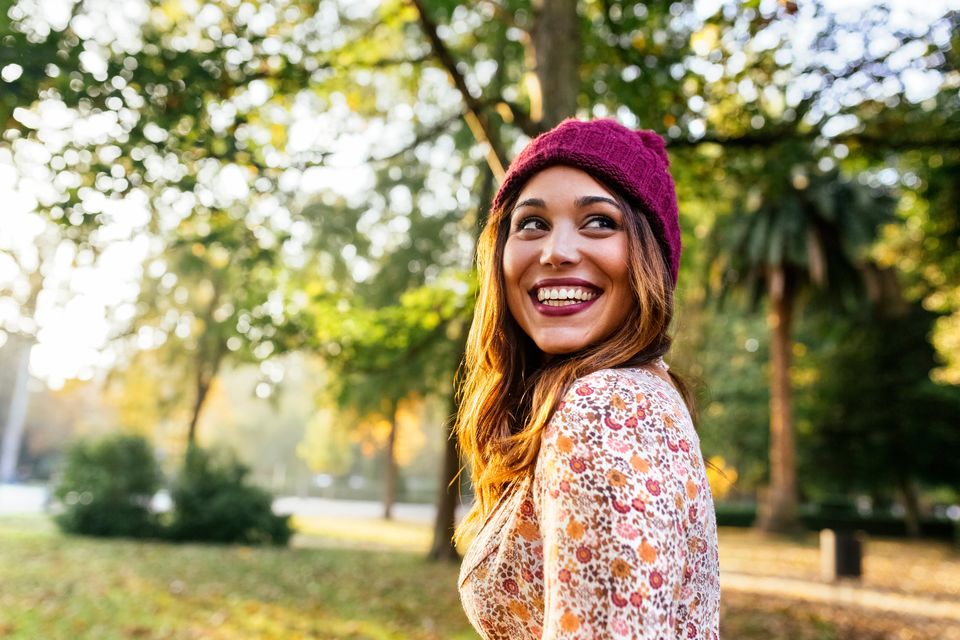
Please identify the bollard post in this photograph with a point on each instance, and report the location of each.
(840, 555)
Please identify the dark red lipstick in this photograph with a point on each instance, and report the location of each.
(567, 309)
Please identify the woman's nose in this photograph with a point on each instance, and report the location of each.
(560, 247)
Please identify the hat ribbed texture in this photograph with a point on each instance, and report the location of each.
(633, 162)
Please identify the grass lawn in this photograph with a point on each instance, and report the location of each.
(356, 579)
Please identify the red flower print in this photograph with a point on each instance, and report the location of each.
(577, 465)
(656, 580)
(636, 598)
(527, 574)
(672, 446)
(564, 575)
(526, 508)
(618, 600)
(564, 486)
(692, 513)
(631, 422)
(584, 554)
(639, 504)
(612, 424)
(685, 445)
(691, 630)
(584, 390)
(510, 586)
(620, 507)
(653, 487)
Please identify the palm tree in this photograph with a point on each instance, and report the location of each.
(797, 233)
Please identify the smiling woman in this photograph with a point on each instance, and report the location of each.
(593, 515)
(566, 223)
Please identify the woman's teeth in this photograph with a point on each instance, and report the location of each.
(559, 297)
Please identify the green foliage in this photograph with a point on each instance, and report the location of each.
(878, 420)
(814, 227)
(212, 502)
(107, 486)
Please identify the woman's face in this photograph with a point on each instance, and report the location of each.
(565, 261)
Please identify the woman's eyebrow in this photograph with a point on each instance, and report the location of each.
(586, 201)
(531, 202)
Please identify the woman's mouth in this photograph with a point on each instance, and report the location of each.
(563, 300)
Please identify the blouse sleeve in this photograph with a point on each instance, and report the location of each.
(613, 487)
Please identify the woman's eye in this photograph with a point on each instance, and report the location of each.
(601, 222)
(530, 224)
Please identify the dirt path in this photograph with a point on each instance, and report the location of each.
(844, 593)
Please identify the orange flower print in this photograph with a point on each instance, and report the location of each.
(569, 622)
(648, 553)
(691, 489)
(639, 464)
(620, 568)
(519, 609)
(575, 529)
(564, 444)
(617, 402)
(528, 530)
(616, 478)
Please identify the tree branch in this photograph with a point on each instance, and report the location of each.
(474, 116)
(420, 138)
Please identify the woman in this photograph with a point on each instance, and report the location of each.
(593, 515)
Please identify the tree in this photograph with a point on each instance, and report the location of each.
(880, 425)
(226, 90)
(798, 230)
(388, 354)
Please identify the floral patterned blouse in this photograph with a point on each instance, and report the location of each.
(613, 536)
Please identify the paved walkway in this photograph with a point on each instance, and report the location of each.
(844, 593)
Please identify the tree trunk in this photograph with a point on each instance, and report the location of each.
(17, 416)
(203, 387)
(911, 505)
(778, 512)
(443, 547)
(554, 61)
(390, 485)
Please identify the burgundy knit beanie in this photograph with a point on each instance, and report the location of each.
(635, 163)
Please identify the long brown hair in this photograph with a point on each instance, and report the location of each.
(508, 394)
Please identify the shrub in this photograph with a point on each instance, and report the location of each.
(213, 503)
(106, 488)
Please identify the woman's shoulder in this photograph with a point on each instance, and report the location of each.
(605, 384)
(637, 400)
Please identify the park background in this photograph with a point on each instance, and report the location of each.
(247, 228)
